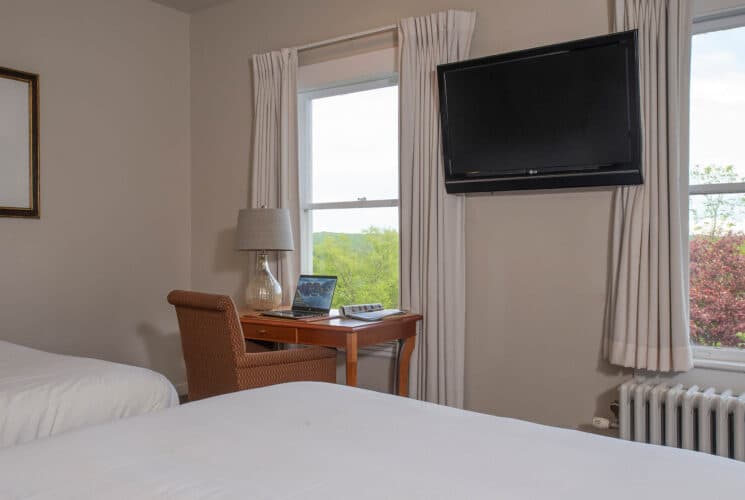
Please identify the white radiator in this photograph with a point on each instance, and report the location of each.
(691, 419)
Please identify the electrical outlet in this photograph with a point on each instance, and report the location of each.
(600, 423)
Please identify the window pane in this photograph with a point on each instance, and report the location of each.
(355, 146)
(360, 246)
(717, 107)
(717, 272)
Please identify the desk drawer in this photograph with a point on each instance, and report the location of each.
(270, 332)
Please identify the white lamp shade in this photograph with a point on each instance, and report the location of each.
(264, 229)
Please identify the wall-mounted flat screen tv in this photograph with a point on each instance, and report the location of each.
(564, 115)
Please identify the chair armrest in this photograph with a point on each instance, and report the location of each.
(252, 359)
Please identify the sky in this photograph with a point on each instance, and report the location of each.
(355, 155)
(718, 98)
(718, 103)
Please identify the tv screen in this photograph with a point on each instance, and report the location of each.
(557, 111)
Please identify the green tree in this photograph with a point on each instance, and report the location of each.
(366, 264)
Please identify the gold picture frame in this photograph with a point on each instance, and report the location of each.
(19, 144)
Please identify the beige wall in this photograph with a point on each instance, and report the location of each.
(701, 7)
(90, 277)
(536, 261)
(536, 281)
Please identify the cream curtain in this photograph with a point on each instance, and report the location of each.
(432, 222)
(274, 172)
(647, 308)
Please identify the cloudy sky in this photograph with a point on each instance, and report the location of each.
(718, 99)
(355, 155)
(718, 113)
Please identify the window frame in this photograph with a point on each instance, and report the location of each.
(305, 159)
(720, 358)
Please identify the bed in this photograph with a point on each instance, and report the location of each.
(309, 440)
(42, 394)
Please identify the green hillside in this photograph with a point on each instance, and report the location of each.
(366, 264)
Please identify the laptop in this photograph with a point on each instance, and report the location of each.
(313, 297)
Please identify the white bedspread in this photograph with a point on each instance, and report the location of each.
(322, 441)
(43, 393)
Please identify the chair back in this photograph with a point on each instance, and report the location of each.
(212, 341)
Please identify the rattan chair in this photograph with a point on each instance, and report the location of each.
(216, 357)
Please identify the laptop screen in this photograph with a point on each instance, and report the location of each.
(314, 292)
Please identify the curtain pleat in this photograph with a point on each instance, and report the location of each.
(274, 166)
(647, 304)
(432, 222)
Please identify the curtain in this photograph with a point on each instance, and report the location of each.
(647, 305)
(274, 172)
(432, 222)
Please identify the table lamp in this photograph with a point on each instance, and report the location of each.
(264, 230)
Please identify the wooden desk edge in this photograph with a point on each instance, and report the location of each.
(339, 324)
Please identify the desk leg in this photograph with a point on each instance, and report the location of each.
(351, 346)
(405, 348)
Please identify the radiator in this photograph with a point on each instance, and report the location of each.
(687, 418)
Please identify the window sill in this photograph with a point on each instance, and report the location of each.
(713, 364)
(714, 358)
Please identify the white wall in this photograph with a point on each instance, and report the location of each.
(91, 275)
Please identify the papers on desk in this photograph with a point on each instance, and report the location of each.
(368, 312)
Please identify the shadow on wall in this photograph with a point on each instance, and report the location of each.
(602, 409)
(605, 398)
(164, 352)
(229, 260)
(375, 371)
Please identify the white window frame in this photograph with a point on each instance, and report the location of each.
(720, 358)
(305, 159)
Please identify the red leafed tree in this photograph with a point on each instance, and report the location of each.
(717, 289)
(717, 260)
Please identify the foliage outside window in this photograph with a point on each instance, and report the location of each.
(717, 260)
(366, 264)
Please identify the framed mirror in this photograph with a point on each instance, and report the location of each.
(19, 144)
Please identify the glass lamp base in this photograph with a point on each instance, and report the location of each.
(263, 291)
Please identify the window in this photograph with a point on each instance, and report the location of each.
(349, 188)
(717, 191)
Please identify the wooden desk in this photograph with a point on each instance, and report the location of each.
(340, 333)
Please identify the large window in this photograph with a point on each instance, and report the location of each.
(717, 190)
(349, 188)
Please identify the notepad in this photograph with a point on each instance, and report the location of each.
(368, 312)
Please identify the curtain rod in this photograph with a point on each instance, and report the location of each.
(344, 38)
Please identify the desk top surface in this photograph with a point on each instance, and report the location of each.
(331, 322)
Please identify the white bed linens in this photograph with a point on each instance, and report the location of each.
(322, 441)
(42, 394)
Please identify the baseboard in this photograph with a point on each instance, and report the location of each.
(389, 350)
